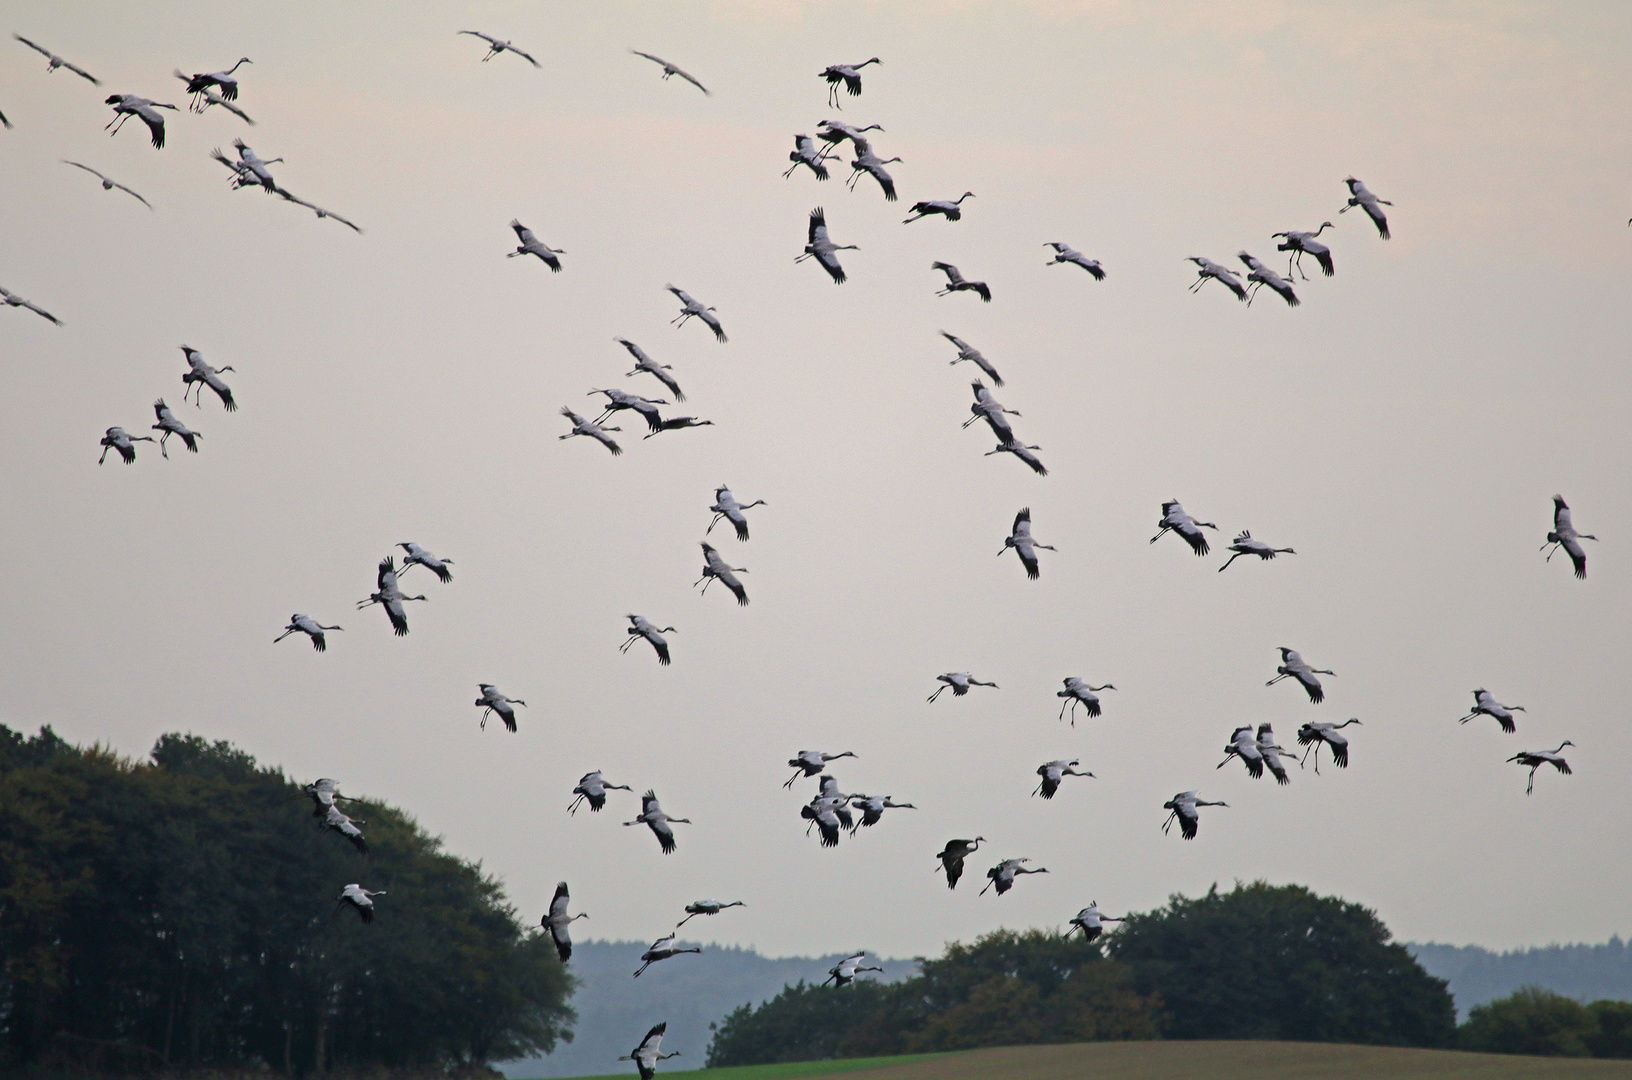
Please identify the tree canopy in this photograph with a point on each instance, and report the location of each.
(181, 913)
(1279, 962)
(1006, 988)
(1536, 1021)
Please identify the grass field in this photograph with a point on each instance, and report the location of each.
(1179, 1061)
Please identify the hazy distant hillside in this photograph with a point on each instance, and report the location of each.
(690, 992)
(1586, 972)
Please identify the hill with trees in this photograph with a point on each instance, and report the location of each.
(1260, 961)
(180, 914)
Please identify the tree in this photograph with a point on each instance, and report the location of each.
(1529, 1021)
(1006, 988)
(1279, 962)
(182, 914)
(1611, 1036)
(802, 1023)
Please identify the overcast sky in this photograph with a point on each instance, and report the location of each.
(1403, 430)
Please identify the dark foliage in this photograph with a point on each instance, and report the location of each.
(1006, 988)
(802, 1023)
(181, 914)
(1537, 1021)
(1279, 962)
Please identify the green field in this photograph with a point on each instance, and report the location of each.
(1178, 1061)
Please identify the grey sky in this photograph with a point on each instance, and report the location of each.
(1403, 429)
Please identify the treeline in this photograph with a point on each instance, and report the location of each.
(180, 914)
(1258, 962)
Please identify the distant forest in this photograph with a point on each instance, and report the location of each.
(1583, 972)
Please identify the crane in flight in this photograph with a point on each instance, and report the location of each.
(1261, 275)
(580, 426)
(808, 763)
(705, 907)
(1021, 541)
(968, 352)
(171, 426)
(1535, 759)
(693, 308)
(1222, 274)
(988, 408)
(1054, 773)
(201, 375)
(1021, 451)
(947, 208)
(1065, 253)
(726, 506)
(1003, 874)
(676, 423)
(592, 788)
(389, 596)
(1188, 528)
(53, 61)
(1242, 745)
(1293, 666)
(319, 211)
(558, 922)
(959, 682)
(1078, 692)
(1304, 243)
(324, 793)
(847, 75)
(1272, 754)
(11, 299)
(1564, 536)
(127, 105)
(207, 97)
(418, 556)
(1091, 921)
(1317, 734)
(670, 69)
(532, 245)
(845, 971)
(336, 820)
(117, 438)
(870, 163)
(651, 367)
(495, 47)
(872, 809)
(834, 132)
(819, 247)
(639, 629)
(618, 400)
(360, 899)
(1184, 810)
(661, 949)
(1485, 703)
(652, 816)
(492, 701)
(952, 856)
(646, 1056)
(1361, 196)
(715, 569)
(1244, 544)
(956, 283)
(305, 624)
(107, 184)
(805, 153)
(200, 82)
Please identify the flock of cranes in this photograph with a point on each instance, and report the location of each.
(831, 812)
